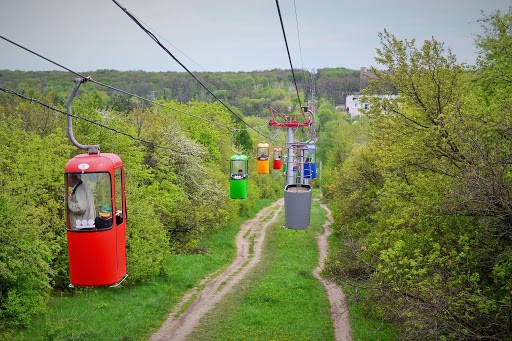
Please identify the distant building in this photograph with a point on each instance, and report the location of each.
(354, 104)
(365, 75)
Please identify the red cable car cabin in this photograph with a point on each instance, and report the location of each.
(278, 158)
(96, 220)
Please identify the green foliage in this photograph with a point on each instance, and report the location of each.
(422, 207)
(243, 139)
(32, 249)
(24, 267)
(147, 241)
(250, 92)
(120, 103)
(177, 195)
(336, 84)
(495, 47)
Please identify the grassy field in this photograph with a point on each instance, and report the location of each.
(131, 312)
(280, 299)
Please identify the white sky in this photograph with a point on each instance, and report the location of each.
(228, 35)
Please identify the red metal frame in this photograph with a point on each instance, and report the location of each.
(289, 121)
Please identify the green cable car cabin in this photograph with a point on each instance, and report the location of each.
(238, 178)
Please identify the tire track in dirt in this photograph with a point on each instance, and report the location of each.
(249, 242)
(339, 310)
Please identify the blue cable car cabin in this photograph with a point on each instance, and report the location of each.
(307, 170)
(310, 161)
(239, 166)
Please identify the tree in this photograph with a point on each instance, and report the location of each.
(120, 103)
(32, 246)
(425, 206)
(495, 47)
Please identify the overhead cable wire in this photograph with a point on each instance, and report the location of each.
(162, 105)
(168, 42)
(155, 39)
(306, 80)
(12, 92)
(288, 50)
(114, 88)
(298, 34)
(258, 127)
(41, 56)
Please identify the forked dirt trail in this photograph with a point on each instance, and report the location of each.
(249, 242)
(339, 310)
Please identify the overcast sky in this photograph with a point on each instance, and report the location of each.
(228, 35)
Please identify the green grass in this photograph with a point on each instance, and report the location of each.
(132, 312)
(280, 299)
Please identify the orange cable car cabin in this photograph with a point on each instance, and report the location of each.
(263, 163)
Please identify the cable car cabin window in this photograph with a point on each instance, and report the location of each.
(238, 169)
(262, 153)
(119, 195)
(88, 201)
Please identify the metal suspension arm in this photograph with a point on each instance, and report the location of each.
(91, 149)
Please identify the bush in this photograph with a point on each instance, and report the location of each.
(147, 244)
(24, 267)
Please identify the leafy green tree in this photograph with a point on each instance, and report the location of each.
(32, 247)
(424, 207)
(120, 103)
(147, 239)
(335, 84)
(495, 47)
(25, 267)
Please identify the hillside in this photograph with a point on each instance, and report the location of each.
(251, 92)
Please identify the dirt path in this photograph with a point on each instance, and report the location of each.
(249, 243)
(339, 311)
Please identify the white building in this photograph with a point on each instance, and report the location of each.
(354, 103)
